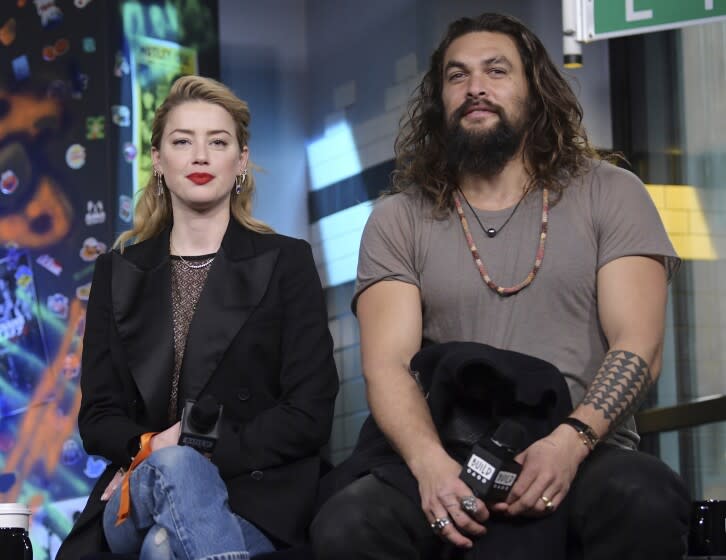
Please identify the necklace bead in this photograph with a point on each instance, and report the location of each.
(195, 266)
(501, 290)
(490, 231)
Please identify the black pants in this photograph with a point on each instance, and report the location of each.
(623, 505)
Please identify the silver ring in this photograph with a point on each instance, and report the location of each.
(549, 506)
(469, 505)
(438, 525)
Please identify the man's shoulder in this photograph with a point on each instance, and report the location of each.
(603, 184)
(611, 172)
(410, 203)
(602, 173)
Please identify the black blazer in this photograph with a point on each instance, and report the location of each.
(258, 342)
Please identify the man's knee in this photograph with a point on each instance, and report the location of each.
(651, 494)
(635, 485)
(368, 519)
(342, 522)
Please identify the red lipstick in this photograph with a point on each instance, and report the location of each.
(200, 178)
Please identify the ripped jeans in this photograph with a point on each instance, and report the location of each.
(180, 511)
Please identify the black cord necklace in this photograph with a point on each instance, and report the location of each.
(491, 232)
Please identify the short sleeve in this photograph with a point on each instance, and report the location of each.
(627, 220)
(387, 250)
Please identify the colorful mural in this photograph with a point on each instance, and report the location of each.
(73, 135)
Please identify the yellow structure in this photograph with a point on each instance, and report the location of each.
(681, 209)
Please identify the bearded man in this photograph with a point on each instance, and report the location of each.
(506, 229)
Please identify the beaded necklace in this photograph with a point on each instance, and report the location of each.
(502, 291)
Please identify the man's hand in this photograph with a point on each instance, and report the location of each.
(549, 466)
(168, 437)
(441, 492)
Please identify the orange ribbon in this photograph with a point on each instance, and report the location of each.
(125, 498)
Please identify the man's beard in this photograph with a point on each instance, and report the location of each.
(481, 153)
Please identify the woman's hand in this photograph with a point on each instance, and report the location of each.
(168, 437)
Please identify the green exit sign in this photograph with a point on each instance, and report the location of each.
(602, 19)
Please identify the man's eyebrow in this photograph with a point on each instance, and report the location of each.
(454, 64)
(498, 59)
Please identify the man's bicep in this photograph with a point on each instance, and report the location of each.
(632, 293)
(389, 313)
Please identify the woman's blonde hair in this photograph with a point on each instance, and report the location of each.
(153, 213)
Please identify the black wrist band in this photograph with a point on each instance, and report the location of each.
(587, 434)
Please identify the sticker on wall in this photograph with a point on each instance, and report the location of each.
(94, 467)
(95, 213)
(59, 48)
(21, 67)
(82, 292)
(9, 182)
(71, 366)
(6, 479)
(50, 264)
(80, 4)
(120, 115)
(129, 152)
(71, 452)
(76, 156)
(58, 305)
(79, 84)
(12, 314)
(58, 89)
(125, 208)
(49, 13)
(121, 66)
(91, 249)
(89, 45)
(95, 127)
(7, 32)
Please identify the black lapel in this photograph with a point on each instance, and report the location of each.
(141, 295)
(237, 281)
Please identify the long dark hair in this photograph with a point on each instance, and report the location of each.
(555, 146)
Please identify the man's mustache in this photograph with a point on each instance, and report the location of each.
(471, 104)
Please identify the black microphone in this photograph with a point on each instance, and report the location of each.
(491, 471)
(200, 424)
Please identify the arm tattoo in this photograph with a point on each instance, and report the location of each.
(619, 386)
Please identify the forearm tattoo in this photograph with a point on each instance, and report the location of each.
(620, 385)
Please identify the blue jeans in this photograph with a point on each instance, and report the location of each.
(180, 511)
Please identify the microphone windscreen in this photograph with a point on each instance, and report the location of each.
(511, 435)
(204, 414)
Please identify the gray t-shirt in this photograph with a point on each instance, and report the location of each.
(604, 215)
